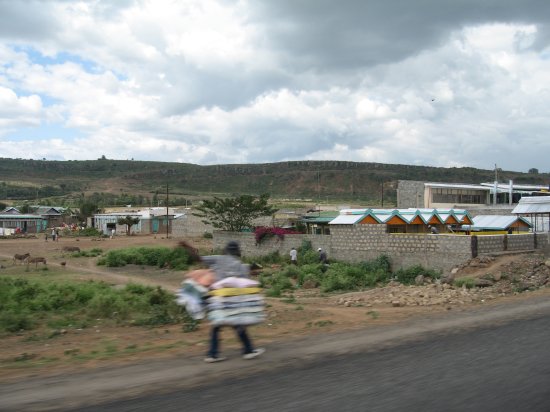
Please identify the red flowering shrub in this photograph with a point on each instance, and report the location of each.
(263, 232)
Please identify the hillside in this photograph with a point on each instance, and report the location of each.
(140, 182)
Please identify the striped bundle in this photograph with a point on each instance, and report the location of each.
(235, 301)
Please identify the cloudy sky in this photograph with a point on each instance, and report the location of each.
(424, 82)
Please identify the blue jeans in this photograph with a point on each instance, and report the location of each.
(241, 333)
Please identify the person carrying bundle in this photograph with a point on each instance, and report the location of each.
(233, 299)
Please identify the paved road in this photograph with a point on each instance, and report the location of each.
(486, 358)
(505, 367)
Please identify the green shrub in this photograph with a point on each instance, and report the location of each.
(345, 276)
(466, 281)
(26, 304)
(89, 231)
(273, 258)
(15, 322)
(176, 258)
(88, 253)
(407, 276)
(307, 257)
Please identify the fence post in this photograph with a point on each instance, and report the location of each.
(474, 246)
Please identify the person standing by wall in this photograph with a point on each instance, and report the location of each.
(293, 256)
(323, 259)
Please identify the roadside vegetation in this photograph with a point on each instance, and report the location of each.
(162, 257)
(278, 276)
(30, 304)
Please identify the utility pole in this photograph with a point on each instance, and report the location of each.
(167, 221)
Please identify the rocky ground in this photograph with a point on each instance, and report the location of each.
(479, 280)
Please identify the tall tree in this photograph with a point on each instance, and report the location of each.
(236, 213)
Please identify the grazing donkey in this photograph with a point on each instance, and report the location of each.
(36, 260)
(21, 258)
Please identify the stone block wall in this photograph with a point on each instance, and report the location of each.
(410, 193)
(249, 247)
(490, 244)
(521, 242)
(356, 243)
(543, 240)
(365, 242)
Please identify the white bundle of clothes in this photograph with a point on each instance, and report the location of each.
(235, 301)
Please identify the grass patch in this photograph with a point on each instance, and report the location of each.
(27, 304)
(322, 323)
(468, 282)
(373, 314)
(162, 257)
(88, 253)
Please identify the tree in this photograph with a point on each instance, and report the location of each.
(26, 208)
(234, 214)
(87, 209)
(129, 221)
(534, 171)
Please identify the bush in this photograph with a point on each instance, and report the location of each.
(25, 304)
(88, 253)
(407, 276)
(89, 231)
(468, 282)
(176, 258)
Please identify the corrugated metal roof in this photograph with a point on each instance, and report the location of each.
(19, 217)
(457, 186)
(346, 220)
(495, 222)
(533, 205)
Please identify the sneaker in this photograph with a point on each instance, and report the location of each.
(255, 353)
(211, 359)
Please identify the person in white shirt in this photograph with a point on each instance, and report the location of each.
(293, 256)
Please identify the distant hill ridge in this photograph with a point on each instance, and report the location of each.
(21, 178)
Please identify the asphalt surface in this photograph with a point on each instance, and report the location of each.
(486, 358)
(504, 367)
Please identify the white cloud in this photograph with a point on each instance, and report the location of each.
(225, 82)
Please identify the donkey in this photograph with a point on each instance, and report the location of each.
(21, 258)
(36, 260)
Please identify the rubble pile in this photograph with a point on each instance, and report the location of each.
(527, 272)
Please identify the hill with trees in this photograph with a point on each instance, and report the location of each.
(109, 182)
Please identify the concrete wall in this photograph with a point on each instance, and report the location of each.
(283, 246)
(190, 225)
(364, 242)
(356, 243)
(410, 193)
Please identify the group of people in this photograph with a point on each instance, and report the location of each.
(54, 234)
(322, 256)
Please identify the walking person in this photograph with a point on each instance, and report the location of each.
(53, 234)
(293, 256)
(225, 266)
(323, 259)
